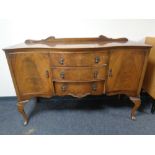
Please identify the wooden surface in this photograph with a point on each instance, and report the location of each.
(126, 71)
(79, 89)
(79, 73)
(149, 80)
(77, 43)
(79, 58)
(77, 67)
(29, 71)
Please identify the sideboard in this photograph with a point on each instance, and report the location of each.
(77, 67)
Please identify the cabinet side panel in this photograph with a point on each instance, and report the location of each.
(8, 56)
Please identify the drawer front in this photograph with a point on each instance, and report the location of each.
(79, 59)
(79, 89)
(79, 73)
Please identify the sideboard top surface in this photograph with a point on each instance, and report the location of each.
(77, 43)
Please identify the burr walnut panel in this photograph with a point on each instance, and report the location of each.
(32, 73)
(125, 70)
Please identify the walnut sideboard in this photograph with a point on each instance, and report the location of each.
(77, 67)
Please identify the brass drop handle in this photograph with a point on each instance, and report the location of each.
(94, 86)
(61, 61)
(63, 87)
(62, 75)
(47, 74)
(110, 73)
(97, 59)
(95, 74)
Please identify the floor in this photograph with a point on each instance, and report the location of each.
(91, 115)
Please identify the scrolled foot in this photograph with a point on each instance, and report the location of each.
(25, 123)
(133, 118)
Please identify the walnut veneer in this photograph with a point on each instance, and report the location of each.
(77, 67)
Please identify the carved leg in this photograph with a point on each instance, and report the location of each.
(137, 103)
(20, 107)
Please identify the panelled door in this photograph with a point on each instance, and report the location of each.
(31, 71)
(125, 70)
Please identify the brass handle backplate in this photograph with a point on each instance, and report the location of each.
(97, 59)
(94, 86)
(63, 87)
(61, 61)
(62, 75)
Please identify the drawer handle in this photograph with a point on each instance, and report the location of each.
(63, 87)
(94, 86)
(62, 75)
(95, 74)
(61, 61)
(97, 59)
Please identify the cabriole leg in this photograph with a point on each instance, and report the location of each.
(137, 103)
(20, 107)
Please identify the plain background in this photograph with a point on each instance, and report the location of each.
(18, 12)
(15, 31)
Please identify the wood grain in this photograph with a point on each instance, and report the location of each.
(126, 71)
(29, 70)
(76, 43)
(79, 58)
(79, 73)
(79, 90)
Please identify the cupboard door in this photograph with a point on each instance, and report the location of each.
(125, 70)
(31, 71)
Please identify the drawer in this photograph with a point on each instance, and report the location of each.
(79, 73)
(79, 89)
(79, 59)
